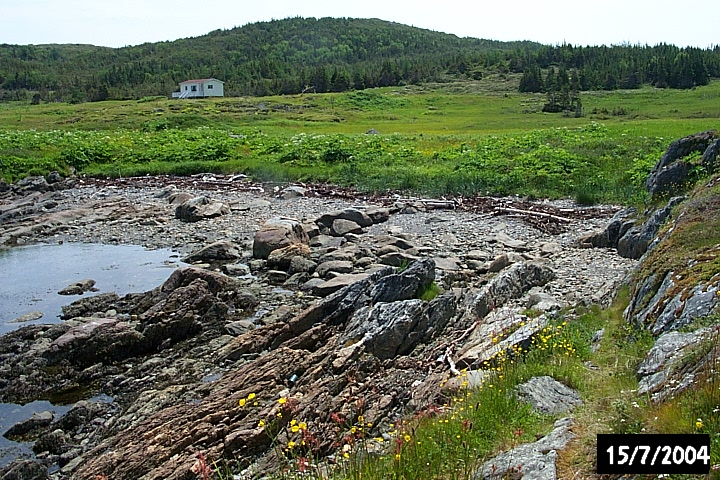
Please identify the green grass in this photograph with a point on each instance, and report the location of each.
(455, 138)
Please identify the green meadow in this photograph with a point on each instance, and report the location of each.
(452, 138)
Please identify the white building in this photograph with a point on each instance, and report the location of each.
(200, 88)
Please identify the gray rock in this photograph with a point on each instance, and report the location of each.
(296, 280)
(390, 240)
(398, 259)
(239, 327)
(236, 269)
(341, 227)
(28, 317)
(531, 461)
(324, 269)
(470, 380)
(89, 305)
(300, 264)
(666, 371)
(509, 242)
(53, 177)
(499, 263)
(24, 427)
(685, 307)
(709, 158)
(333, 285)
(378, 214)
(277, 277)
(78, 288)
(354, 215)
(281, 258)
(311, 229)
(254, 204)
(56, 442)
(548, 396)
(406, 284)
(489, 339)
(477, 255)
(636, 240)
(24, 470)
(200, 208)
(178, 198)
(33, 184)
(669, 174)
(544, 302)
(550, 249)
(217, 251)
(511, 283)
(391, 329)
(293, 191)
(277, 233)
(322, 241)
(451, 264)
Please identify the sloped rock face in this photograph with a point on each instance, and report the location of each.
(327, 350)
(635, 242)
(511, 283)
(532, 460)
(675, 362)
(548, 396)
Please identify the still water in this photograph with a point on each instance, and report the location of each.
(31, 276)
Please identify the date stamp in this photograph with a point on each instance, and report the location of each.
(653, 454)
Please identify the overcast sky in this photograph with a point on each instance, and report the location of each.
(132, 22)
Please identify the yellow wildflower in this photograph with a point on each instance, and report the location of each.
(261, 423)
(282, 400)
(407, 438)
(302, 425)
(242, 402)
(291, 444)
(251, 396)
(294, 429)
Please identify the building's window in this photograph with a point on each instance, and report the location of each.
(186, 88)
(194, 88)
(210, 86)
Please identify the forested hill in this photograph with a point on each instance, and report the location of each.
(324, 55)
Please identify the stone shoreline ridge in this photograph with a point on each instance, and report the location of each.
(294, 293)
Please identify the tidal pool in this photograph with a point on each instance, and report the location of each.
(31, 276)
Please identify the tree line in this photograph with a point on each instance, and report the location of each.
(332, 55)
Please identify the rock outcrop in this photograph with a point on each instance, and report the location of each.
(669, 175)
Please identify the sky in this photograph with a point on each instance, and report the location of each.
(133, 22)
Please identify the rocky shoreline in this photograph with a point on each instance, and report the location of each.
(306, 292)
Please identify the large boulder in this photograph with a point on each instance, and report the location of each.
(669, 175)
(278, 233)
(200, 208)
(217, 251)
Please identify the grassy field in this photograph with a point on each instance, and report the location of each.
(444, 139)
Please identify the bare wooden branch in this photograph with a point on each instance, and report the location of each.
(532, 214)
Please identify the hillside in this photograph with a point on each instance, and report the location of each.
(283, 56)
(334, 55)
